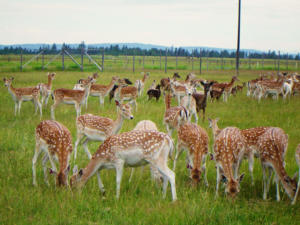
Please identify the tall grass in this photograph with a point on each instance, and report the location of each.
(141, 200)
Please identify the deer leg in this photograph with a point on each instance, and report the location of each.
(196, 117)
(131, 174)
(298, 187)
(45, 160)
(250, 166)
(40, 107)
(277, 188)
(101, 100)
(204, 170)
(34, 160)
(203, 118)
(178, 153)
(85, 147)
(119, 172)
(218, 181)
(19, 106)
(78, 109)
(16, 108)
(80, 135)
(46, 99)
(100, 184)
(53, 109)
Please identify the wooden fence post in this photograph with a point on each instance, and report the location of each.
(262, 60)
(144, 61)
(200, 61)
(207, 63)
(21, 60)
(193, 60)
(278, 62)
(102, 60)
(43, 55)
(166, 61)
(287, 61)
(63, 58)
(160, 59)
(82, 51)
(176, 60)
(133, 62)
(249, 62)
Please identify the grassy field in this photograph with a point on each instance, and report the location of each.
(140, 201)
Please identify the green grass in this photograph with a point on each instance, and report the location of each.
(140, 201)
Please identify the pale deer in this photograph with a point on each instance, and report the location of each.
(264, 88)
(101, 91)
(82, 85)
(46, 89)
(272, 147)
(174, 116)
(229, 148)
(178, 90)
(126, 93)
(213, 124)
(195, 141)
(297, 156)
(165, 82)
(23, 94)
(189, 102)
(72, 97)
(134, 148)
(139, 84)
(55, 140)
(96, 128)
(152, 86)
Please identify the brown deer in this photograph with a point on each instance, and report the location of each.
(69, 96)
(86, 81)
(213, 124)
(23, 94)
(165, 82)
(195, 141)
(46, 89)
(229, 148)
(272, 148)
(55, 140)
(297, 156)
(101, 91)
(126, 93)
(226, 86)
(178, 90)
(139, 84)
(134, 148)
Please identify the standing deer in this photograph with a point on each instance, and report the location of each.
(72, 97)
(55, 140)
(46, 89)
(195, 141)
(297, 156)
(226, 86)
(23, 94)
(272, 148)
(126, 93)
(139, 84)
(189, 102)
(134, 148)
(229, 148)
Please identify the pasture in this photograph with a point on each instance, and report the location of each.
(141, 200)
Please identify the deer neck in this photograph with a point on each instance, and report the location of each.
(144, 79)
(89, 171)
(117, 124)
(49, 85)
(11, 90)
(216, 130)
(231, 83)
(168, 101)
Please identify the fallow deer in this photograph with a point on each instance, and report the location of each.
(165, 82)
(115, 87)
(195, 141)
(101, 91)
(297, 156)
(86, 81)
(154, 93)
(126, 93)
(68, 96)
(226, 86)
(272, 148)
(229, 148)
(46, 89)
(139, 84)
(266, 87)
(55, 140)
(152, 86)
(189, 102)
(178, 90)
(134, 148)
(23, 94)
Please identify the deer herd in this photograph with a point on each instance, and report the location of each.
(147, 145)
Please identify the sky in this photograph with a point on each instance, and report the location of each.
(265, 24)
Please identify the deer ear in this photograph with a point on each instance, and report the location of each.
(117, 103)
(224, 179)
(241, 177)
(287, 179)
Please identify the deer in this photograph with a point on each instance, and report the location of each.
(213, 124)
(227, 87)
(101, 91)
(194, 139)
(69, 96)
(55, 141)
(96, 128)
(154, 93)
(115, 87)
(179, 91)
(189, 102)
(134, 148)
(272, 148)
(152, 86)
(174, 116)
(46, 89)
(23, 94)
(126, 93)
(86, 81)
(165, 82)
(229, 148)
(297, 156)
(266, 87)
(139, 84)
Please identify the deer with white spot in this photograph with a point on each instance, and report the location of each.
(272, 147)
(46, 89)
(72, 97)
(23, 94)
(55, 140)
(139, 84)
(126, 93)
(297, 156)
(195, 141)
(189, 102)
(134, 148)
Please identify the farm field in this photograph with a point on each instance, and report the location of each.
(141, 200)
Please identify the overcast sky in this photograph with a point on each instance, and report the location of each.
(265, 24)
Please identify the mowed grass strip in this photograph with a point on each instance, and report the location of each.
(141, 200)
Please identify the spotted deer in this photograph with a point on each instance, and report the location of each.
(139, 84)
(174, 116)
(23, 94)
(96, 128)
(46, 89)
(213, 124)
(297, 156)
(55, 140)
(226, 86)
(72, 97)
(195, 141)
(101, 91)
(126, 93)
(189, 102)
(229, 148)
(86, 81)
(272, 147)
(165, 82)
(178, 90)
(134, 148)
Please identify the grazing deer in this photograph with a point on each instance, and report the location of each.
(154, 93)
(55, 140)
(139, 84)
(23, 94)
(96, 128)
(189, 102)
(126, 93)
(46, 89)
(73, 97)
(297, 156)
(174, 116)
(272, 147)
(195, 141)
(229, 148)
(134, 148)
(101, 91)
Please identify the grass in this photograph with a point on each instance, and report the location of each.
(140, 201)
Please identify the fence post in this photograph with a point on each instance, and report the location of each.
(63, 58)
(262, 62)
(82, 50)
(278, 63)
(144, 61)
(102, 60)
(166, 61)
(222, 63)
(43, 55)
(200, 59)
(160, 59)
(287, 61)
(249, 62)
(207, 63)
(21, 60)
(133, 62)
(193, 60)
(176, 59)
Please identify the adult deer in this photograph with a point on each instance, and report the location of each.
(194, 140)
(134, 148)
(189, 102)
(23, 94)
(46, 89)
(126, 93)
(55, 140)
(72, 97)
(226, 87)
(297, 156)
(139, 84)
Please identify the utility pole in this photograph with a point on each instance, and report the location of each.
(238, 41)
